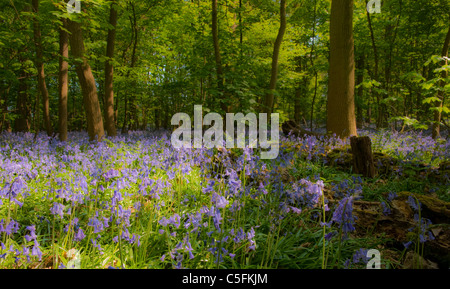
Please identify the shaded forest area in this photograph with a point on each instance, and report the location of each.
(131, 65)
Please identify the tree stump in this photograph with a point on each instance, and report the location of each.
(362, 156)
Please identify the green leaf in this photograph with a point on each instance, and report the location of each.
(427, 85)
(431, 99)
(434, 59)
(443, 68)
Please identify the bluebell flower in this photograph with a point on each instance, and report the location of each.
(209, 187)
(174, 220)
(347, 264)
(25, 250)
(386, 209)
(12, 227)
(79, 235)
(57, 209)
(330, 235)
(35, 251)
(220, 201)
(412, 202)
(391, 196)
(343, 215)
(360, 255)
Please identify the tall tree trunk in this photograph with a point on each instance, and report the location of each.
(297, 105)
(299, 90)
(359, 80)
(375, 95)
(439, 104)
(87, 82)
(341, 101)
(313, 103)
(125, 119)
(40, 68)
(109, 71)
(241, 36)
(219, 68)
(22, 123)
(63, 80)
(313, 67)
(269, 99)
(130, 106)
(133, 106)
(5, 125)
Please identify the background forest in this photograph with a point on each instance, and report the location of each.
(166, 56)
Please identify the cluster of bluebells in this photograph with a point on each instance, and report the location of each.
(359, 257)
(385, 206)
(348, 188)
(119, 177)
(422, 225)
(9, 228)
(24, 251)
(343, 216)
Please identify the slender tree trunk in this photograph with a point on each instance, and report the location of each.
(109, 71)
(132, 105)
(375, 73)
(313, 67)
(439, 104)
(359, 80)
(299, 91)
(269, 99)
(219, 68)
(341, 101)
(125, 119)
(240, 28)
(63, 80)
(87, 82)
(40, 68)
(22, 123)
(297, 106)
(313, 103)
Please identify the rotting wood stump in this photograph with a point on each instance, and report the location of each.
(362, 156)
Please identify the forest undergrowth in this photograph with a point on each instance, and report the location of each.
(136, 202)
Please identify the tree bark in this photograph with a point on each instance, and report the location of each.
(359, 80)
(219, 68)
(269, 99)
(22, 123)
(341, 101)
(362, 156)
(130, 106)
(313, 67)
(375, 95)
(109, 72)
(297, 106)
(299, 91)
(87, 82)
(40, 68)
(63, 80)
(439, 104)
